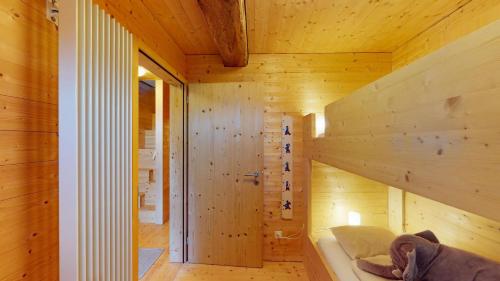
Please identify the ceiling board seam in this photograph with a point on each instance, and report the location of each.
(431, 26)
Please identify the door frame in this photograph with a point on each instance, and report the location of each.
(137, 48)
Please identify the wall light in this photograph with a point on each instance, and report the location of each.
(141, 71)
(320, 124)
(353, 218)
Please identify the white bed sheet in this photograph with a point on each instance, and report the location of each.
(337, 259)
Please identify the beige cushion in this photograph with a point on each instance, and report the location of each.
(363, 241)
(366, 276)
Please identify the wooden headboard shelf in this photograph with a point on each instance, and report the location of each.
(431, 128)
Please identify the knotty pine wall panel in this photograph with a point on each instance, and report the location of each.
(455, 227)
(146, 114)
(147, 110)
(28, 143)
(297, 85)
(335, 193)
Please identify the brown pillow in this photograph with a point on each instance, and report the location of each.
(363, 241)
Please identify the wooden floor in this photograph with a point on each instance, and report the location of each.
(156, 236)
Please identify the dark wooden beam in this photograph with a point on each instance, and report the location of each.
(227, 23)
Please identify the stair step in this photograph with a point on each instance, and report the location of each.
(142, 199)
(146, 176)
(146, 187)
(146, 160)
(149, 139)
(148, 208)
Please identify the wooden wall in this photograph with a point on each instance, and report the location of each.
(396, 209)
(28, 134)
(295, 84)
(146, 112)
(453, 226)
(468, 18)
(336, 192)
(28, 143)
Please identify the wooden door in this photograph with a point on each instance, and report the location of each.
(225, 143)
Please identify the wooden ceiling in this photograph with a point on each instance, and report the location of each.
(184, 21)
(326, 26)
(309, 26)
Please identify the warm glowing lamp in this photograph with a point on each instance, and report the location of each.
(142, 71)
(353, 218)
(320, 124)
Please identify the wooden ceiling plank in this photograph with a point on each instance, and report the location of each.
(347, 16)
(325, 26)
(199, 25)
(284, 26)
(441, 12)
(175, 26)
(278, 19)
(192, 26)
(263, 13)
(250, 10)
(397, 19)
(295, 32)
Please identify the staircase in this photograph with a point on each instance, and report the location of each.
(147, 182)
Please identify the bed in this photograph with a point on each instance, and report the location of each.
(371, 133)
(335, 257)
(337, 261)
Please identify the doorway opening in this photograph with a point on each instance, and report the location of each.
(160, 171)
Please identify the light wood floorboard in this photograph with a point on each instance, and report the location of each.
(156, 236)
(276, 271)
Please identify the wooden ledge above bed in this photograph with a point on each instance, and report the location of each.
(431, 128)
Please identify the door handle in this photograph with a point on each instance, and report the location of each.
(254, 174)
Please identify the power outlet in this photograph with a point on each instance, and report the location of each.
(278, 234)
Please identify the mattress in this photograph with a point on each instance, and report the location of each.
(337, 259)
